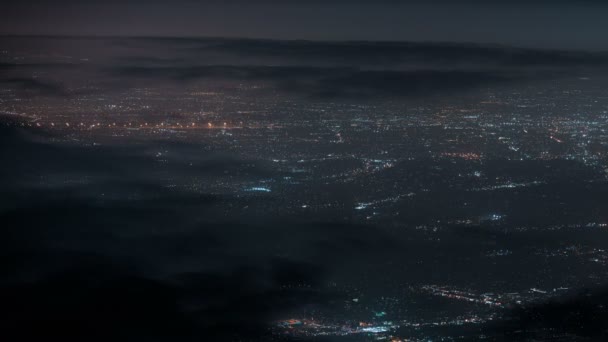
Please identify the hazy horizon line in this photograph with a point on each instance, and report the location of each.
(248, 38)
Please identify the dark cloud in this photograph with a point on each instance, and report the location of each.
(582, 316)
(35, 66)
(315, 82)
(353, 69)
(102, 249)
(36, 87)
(417, 83)
(383, 54)
(144, 262)
(306, 68)
(98, 300)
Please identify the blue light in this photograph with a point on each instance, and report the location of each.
(259, 189)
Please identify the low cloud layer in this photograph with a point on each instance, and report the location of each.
(315, 70)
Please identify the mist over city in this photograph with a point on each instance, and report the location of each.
(304, 171)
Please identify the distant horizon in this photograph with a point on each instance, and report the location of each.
(269, 39)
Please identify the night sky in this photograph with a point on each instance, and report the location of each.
(535, 23)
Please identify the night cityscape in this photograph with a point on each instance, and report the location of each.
(304, 171)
